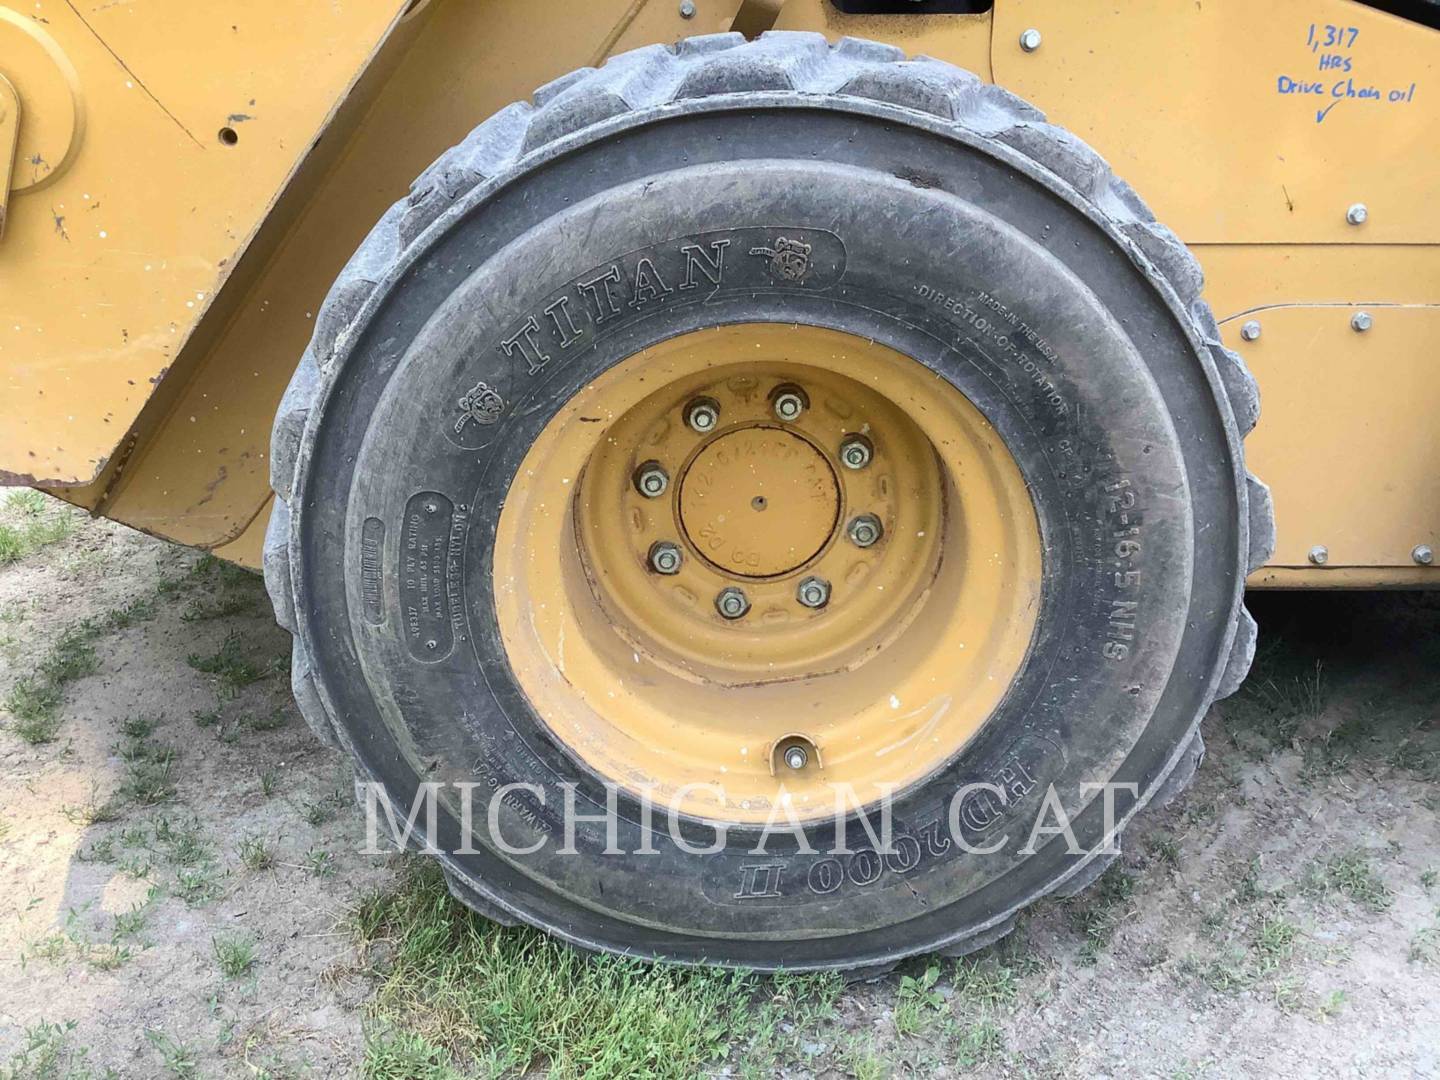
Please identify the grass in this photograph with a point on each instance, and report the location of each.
(1165, 849)
(1099, 910)
(917, 1001)
(255, 854)
(34, 700)
(1275, 702)
(459, 995)
(1425, 945)
(1349, 874)
(178, 1059)
(71, 942)
(320, 863)
(234, 955)
(150, 779)
(46, 1054)
(985, 983)
(32, 521)
(147, 849)
(232, 669)
(1274, 941)
(94, 811)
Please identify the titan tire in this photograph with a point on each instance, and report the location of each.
(633, 273)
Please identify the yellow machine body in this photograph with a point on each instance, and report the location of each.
(181, 182)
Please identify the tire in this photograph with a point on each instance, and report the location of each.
(945, 219)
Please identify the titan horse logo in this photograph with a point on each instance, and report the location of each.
(789, 259)
(482, 403)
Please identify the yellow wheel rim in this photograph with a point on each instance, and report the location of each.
(757, 569)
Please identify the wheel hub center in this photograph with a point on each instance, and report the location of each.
(759, 501)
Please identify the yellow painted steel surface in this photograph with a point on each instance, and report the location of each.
(1241, 122)
(153, 140)
(141, 243)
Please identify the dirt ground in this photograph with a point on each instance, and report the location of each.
(181, 892)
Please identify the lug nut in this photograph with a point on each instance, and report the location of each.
(864, 530)
(1422, 555)
(856, 452)
(1319, 555)
(731, 603)
(651, 480)
(665, 557)
(813, 592)
(1358, 214)
(796, 758)
(1361, 321)
(702, 414)
(788, 402)
(1250, 331)
(1030, 40)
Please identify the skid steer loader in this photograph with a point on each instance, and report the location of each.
(770, 412)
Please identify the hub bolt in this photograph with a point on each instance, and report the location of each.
(856, 452)
(813, 592)
(702, 414)
(864, 530)
(651, 480)
(796, 758)
(788, 402)
(665, 557)
(731, 603)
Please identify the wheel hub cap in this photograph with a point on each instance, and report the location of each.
(759, 502)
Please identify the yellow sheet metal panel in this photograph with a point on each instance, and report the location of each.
(9, 143)
(1347, 440)
(1244, 122)
(202, 476)
(154, 137)
(1240, 277)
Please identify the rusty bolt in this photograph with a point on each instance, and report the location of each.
(651, 480)
(732, 603)
(665, 557)
(789, 403)
(813, 592)
(856, 452)
(702, 414)
(864, 530)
